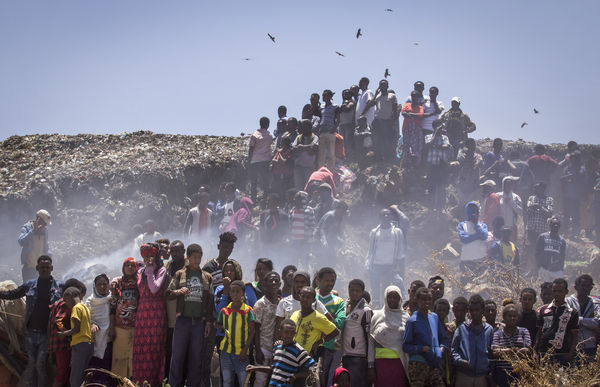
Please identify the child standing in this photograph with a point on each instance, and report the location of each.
(290, 361)
(81, 335)
(237, 321)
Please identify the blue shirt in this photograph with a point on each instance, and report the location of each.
(327, 124)
(473, 344)
(424, 331)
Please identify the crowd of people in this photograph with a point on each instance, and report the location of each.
(174, 314)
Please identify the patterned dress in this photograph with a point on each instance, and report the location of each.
(150, 331)
(412, 133)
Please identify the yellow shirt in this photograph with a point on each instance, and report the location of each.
(310, 328)
(82, 313)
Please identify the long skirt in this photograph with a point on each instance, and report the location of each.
(150, 338)
(390, 373)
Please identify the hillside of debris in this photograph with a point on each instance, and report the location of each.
(98, 186)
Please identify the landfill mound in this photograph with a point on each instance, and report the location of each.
(98, 186)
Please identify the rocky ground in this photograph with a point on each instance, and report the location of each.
(98, 186)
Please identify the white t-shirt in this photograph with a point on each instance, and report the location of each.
(473, 250)
(363, 98)
(289, 305)
(228, 213)
(429, 107)
(385, 241)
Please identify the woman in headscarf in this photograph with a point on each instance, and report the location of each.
(387, 331)
(151, 319)
(124, 302)
(99, 306)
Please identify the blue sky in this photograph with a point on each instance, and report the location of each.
(176, 66)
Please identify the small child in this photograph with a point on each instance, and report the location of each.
(504, 251)
(237, 321)
(291, 362)
(82, 346)
(59, 347)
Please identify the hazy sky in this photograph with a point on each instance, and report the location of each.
(176, 66)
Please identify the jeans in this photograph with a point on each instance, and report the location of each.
(357, 366)
(231, 366)
(383, 139)
(188, 337)
(36, 344)
(261, 378)
(436, 184)
(80, 358)
(256, 171)
(347, 130)
(331, 361)
(208, 350)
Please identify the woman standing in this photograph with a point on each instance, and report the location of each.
(412, 131)
(387, 332)
(510, 339)
(99, 306)
(151, 319)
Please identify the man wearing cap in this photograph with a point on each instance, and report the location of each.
(491, 202)
(34, 240)
(330, 117)
(458, 124)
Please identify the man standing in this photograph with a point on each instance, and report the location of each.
(438, 153)
(34, 240)
(473, 236)
(432, 109)
(386, 254)
(458, 124)
(469, 170)
(382, 129)
(348, 122)
(557, 325)
(330, 117)
(365, 95)
(491, 202)
(510, 205)
(199, 219)
(40, 293)
(589, 315)
(541, 164)
(304, 151)
(550, 251)
(259, 156)
(539, 210)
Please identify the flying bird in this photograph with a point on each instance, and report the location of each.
(535, 111)
(339, 53)
(387, 73)
(246, 58)
(523, 125)
(271, 37)
(358, 34)
(415, 43)
(389, 10)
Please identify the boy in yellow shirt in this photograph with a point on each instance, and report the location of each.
(313, 327)
(82, 346)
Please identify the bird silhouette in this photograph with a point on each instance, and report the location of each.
(387, 73)
(242, 134)
(246, 58)
(535, 111)
(358, 34)
(271, 37)
(339, 53)
(415, 43)
(389, 10)
(523, 125)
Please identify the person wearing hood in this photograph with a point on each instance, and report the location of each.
(99, 305)
(319, 177)
(425, 341)
(387, 331)
(473, 235)
(34, 242)
(510, 205)
(342, 378)
(151, 319)
(241, 221)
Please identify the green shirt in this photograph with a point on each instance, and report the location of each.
(337, 309)
(192, 305)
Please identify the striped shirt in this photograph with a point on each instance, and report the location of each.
(520, 339)
(235, 323)
(288, 361)
(298, 224)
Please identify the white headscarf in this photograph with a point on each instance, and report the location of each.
(100, 315)
(387, 324)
